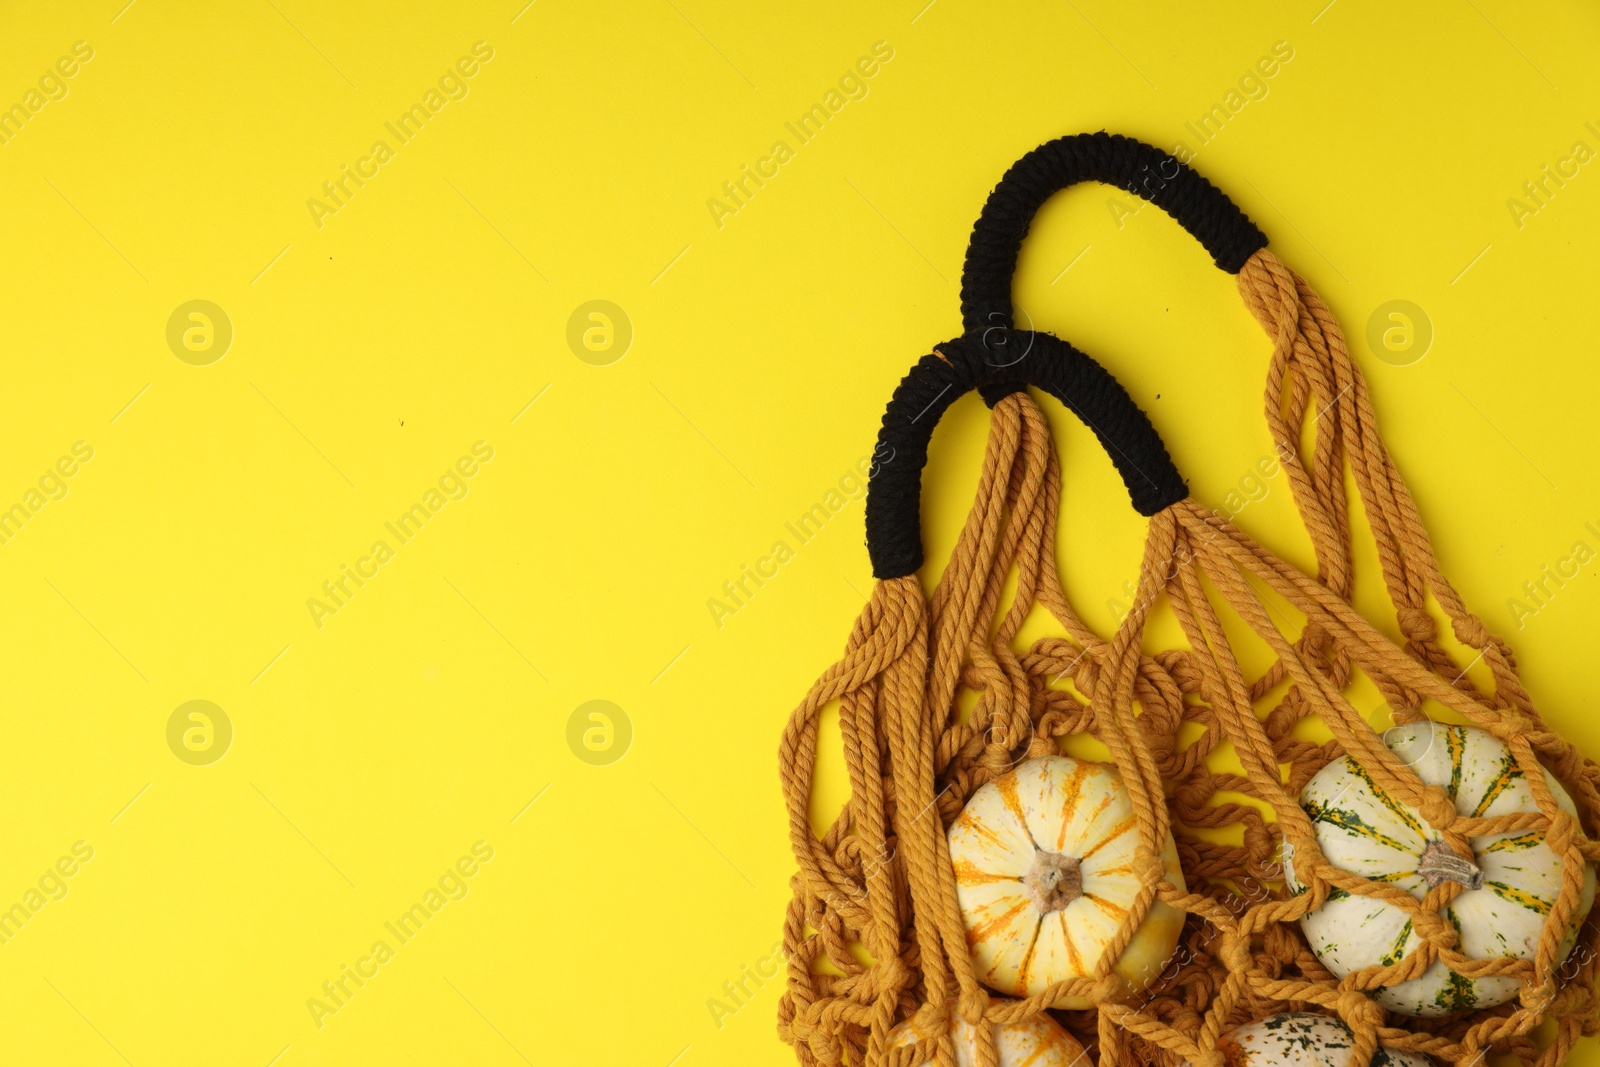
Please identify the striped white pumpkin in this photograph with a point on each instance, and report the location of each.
(1043, 858)
(1299, 1039)
(1037, 1042)
(1513, 878)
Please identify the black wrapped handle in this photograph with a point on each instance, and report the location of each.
(894, 489)
(1202, 209)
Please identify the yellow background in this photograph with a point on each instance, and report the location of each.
(370, 353)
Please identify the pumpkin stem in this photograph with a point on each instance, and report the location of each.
(1440, 863)
(1055, 880)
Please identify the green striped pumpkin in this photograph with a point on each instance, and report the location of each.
(1512, 879)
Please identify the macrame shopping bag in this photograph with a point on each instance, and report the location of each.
(882, 878)
(1318, 409)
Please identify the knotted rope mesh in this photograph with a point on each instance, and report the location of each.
(873, 932)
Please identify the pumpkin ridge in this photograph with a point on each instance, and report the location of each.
(1091, 818)
(1521, 897)
(1456, 741)
(969, 874)
(1353, 823)
(1116, 831)
(987, 928)
(1073, 790)
(1111, 908)
(1508, 774)
(1027, 957)
(1007, 787)
(981, 828)
(1515, 841)
(1398, 952)
(1400, 810)
(1072, 949)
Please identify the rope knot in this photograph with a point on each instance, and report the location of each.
(1469, 630)
(1537, 998)
(1234, 951)
(1437, 808)
(1359, 1011)
(1086, 674)
(971, 1004)
(1432, 928)
(1417, 624)
(1150, 869)
(893, 973)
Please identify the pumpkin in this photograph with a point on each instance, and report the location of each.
(1036, 1042)
(1045, 875)
(1299, 1039)
(1512, 879)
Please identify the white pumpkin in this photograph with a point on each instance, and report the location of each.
(1044, 869)
(1512, 879)
(1038, 1042)
(1299, 1039)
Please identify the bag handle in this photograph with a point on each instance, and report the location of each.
(1200, 207)
(894, 487)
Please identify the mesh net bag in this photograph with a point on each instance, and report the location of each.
(875, 933)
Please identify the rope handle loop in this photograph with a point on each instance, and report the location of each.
(1200, 207)
(894, 486)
